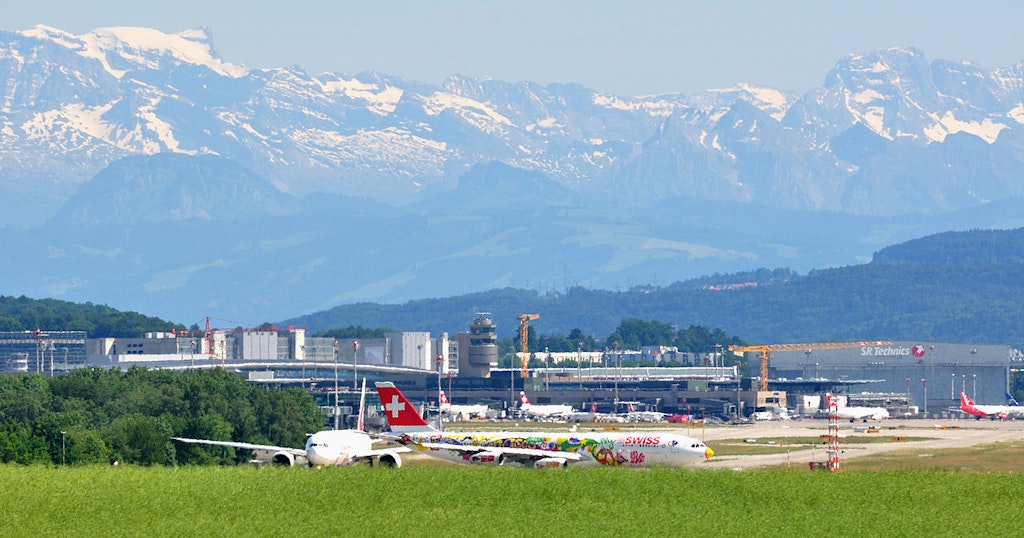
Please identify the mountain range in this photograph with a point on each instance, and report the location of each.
(142, 170)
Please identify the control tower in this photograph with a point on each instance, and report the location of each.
(478, 349)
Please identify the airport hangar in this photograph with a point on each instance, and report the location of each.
(931, 374)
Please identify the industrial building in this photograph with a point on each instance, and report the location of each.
(906, 376)
(930, 374)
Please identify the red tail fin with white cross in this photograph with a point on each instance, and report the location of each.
(400, 412)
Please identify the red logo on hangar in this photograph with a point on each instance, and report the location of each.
(918, 351)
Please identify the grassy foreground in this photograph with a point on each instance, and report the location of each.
(487, 501)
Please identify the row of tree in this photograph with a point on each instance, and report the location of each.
(100, 416)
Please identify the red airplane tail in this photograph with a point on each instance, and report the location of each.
(444, 399)
(965, 400)
(523, 399)
(400, 412)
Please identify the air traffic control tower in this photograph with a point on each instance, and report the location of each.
(478, 349)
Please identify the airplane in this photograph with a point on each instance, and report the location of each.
(453, 410)
(1004, 412)
(537, 449)
(632, 415)
(326, 447)
(854, 413)
(543, 411)
(1010, 401)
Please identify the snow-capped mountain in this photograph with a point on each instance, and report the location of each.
(140, 137)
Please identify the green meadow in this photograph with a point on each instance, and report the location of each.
(489, 501)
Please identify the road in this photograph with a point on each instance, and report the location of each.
(948, 433)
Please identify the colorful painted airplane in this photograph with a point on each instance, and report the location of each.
(538, 449)
(325, 448)
(1004, 412)
(479, 410)
(543, 411)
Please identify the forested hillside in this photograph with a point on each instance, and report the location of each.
(99, 321)
(954, 287)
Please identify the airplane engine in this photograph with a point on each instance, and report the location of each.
(550, 463)
(283, 458)
(487, 458)
(391, 459)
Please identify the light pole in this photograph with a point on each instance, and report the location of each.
(924, 384)
(908, 393)
(62, 432)
(547, 369)
(337, 410)
(440, 360)
(355, 376)
(512, 378)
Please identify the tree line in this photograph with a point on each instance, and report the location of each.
(94, 416)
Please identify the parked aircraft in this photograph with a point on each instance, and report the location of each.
(633, 415)
(537, 449)
(854, 413)
(543, 411)
(325, 448)
(468, 411)
(1004, 412)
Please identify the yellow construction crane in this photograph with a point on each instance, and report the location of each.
(524, 343)
(765, 349)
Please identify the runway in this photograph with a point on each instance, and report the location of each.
(949, 433)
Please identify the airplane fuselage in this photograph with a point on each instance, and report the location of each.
(336, 447)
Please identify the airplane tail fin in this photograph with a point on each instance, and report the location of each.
(965, 401)
(400, 412)
(1011, 401)
(593, 407)
(442, 399)
(523, 399)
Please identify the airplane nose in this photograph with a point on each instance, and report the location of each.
(708, 453)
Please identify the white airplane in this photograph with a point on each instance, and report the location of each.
(855, 413)
(543, 411)
(1004, 412)
(453, 410)
(538, 449)
(632, 415)
(325, 448)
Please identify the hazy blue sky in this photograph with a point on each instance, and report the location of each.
(627, 48)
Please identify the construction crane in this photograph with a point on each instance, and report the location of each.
(524, 343)
(764, 349)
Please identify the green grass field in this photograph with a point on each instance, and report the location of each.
(487, 501)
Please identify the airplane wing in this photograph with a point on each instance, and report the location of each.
(510, 453)
(250, 446)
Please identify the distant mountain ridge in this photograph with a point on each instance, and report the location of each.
(378, 136)
(973, 295)
(139, 168)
